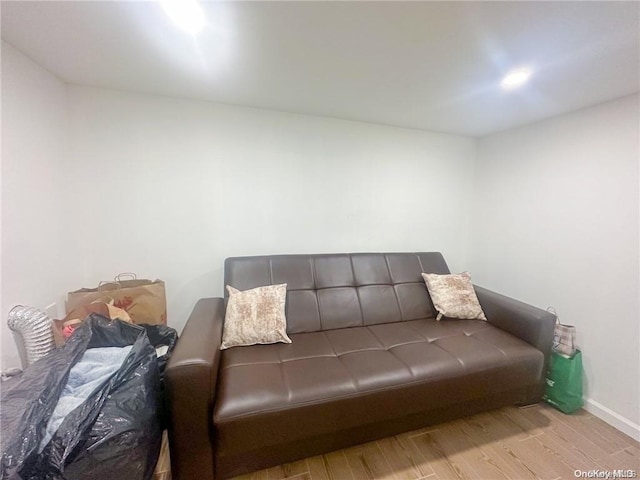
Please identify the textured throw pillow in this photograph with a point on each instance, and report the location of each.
(454, 296)
(255, 316)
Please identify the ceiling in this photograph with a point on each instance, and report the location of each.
(425, 65)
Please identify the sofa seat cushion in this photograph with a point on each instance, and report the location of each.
(336, 379)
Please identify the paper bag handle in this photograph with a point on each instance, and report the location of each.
(125, 275)
(106, 282)
(552, 311)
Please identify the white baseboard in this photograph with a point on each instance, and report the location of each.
(612, 418)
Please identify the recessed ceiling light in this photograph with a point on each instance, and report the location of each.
(186, 14)
(516, 78)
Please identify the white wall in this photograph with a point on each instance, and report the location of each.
(37, 260)
(169, 188)
(556, 223)
(96, 182)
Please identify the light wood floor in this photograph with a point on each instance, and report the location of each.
(163, 466)
(512, 443)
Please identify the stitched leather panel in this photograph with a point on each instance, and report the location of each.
(321, 366)
(343, 290)
(302, 311)
(379, 304)
(295, 271)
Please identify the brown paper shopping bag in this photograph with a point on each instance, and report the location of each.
(64, 327)
(144, 300)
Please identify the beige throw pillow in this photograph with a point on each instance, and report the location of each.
(255, 316)
(454, 296)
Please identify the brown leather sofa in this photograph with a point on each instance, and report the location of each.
(368, 360)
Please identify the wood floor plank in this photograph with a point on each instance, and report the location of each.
(490, 440)
(569, 455)
(416, 458)
(493, 426)
(482, 465)
(531, 420)
(537, 443)
(634, 449)
(544, 463)
(319, 468)
(498, 456)
(443, 466)
(627, 459)
(580, 444)
(246, 476)
(262, 475)
(610, 433)
(358, 469)
(503, 457)
(422, 430)
(163, 465)
(302, 476)
(259, 475)
(599, 432)
(378, 463)
(399, 459)
(460, 450)
(338, 466)
(367, 461)
(288, 470)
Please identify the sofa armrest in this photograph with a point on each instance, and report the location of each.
(190, 377)
(532, 324)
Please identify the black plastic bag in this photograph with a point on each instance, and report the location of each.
(27, 402)
(162, 336)
(115, 433)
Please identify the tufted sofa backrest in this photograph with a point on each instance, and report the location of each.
(330, 291)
